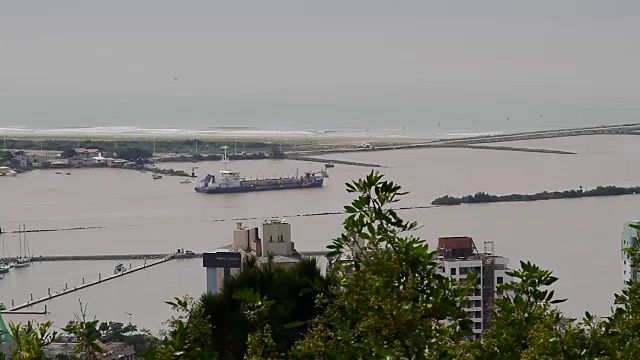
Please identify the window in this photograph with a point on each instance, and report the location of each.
(478, 314)
(478, 326)
(477, 303)
(453, 271)
(500, 280)
(270, 238)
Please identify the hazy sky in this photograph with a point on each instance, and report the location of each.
(580, 48)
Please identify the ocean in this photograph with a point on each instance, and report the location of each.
(409, 112)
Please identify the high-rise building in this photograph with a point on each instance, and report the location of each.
(459, 257)
(629, 239)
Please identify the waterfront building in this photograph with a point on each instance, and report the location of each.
(22, 161)
(224, 262)
(629, 239)
(459, 257)
(87, 155)
(110, 351)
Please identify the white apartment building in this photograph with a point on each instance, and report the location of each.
(459, 257)
(629, 239)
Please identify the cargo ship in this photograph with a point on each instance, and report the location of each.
(230, 181)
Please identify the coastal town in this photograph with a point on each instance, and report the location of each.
(298, 180)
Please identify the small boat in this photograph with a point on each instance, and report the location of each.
(119, 268)
(4, 268)
(156, 176)
(329, 165)
(68, 173)
(58, 172)
(12, 173)
(21, 262)
(2, 306)
(185, 181)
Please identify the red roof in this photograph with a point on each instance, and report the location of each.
(455, 242)
(83, 150)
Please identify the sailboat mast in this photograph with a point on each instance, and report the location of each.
(27, 250)
(19, 241)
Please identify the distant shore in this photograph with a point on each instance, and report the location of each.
(311, 144)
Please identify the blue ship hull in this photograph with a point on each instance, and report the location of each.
(251, 188)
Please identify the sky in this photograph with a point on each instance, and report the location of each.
(275, 52)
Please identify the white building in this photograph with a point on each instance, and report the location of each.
(224, 262)
(459, 257)
(87, 155)
(629, 239)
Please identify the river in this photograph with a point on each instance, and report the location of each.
(578, 239)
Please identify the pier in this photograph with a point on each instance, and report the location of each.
(68, 290)
(332, 161)
(159, 259)
(109, 257)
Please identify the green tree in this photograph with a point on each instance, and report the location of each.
(189, 335)
(31, 340)
(85, 334)
(527, 323)
(260, 344)
(623, 326)
(293, 292)
(389, 298)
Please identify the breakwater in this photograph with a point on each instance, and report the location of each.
(324, 213)
(54, 230)
(469, 141)
(332, 161)
(109, 257)
(505, 148)
(482, 197)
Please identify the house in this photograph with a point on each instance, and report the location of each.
(22, 161)
(110, 351)
(87, 155)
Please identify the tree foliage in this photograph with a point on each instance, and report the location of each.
(292, 289)
(31, 340)
(389, 299)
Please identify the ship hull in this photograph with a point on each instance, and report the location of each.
(252, 188)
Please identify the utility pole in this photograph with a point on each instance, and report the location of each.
(130, 326)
